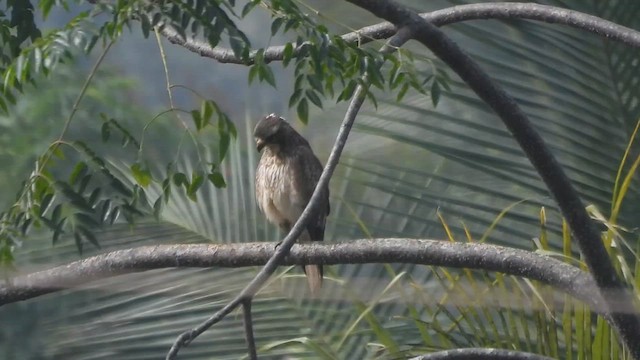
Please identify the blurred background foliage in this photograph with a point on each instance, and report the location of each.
(410, 170)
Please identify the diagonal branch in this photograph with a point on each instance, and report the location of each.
(558, 274)
(627, 324)
(402, 36)
(451, 15)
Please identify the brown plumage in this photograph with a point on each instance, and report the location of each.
(287, 174)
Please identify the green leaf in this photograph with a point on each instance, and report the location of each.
(217, 179)
(158, 205)
(402, 92)
(105, 132)
(86, 220)
(156, 19)
(57, 152)
(180, 179)
(237, 46)
(166, 189)
(79, 171)
(82, 186)
(45, 203)
(75, 198)
(145, 24)
(314, 80)
(253, 71)
(120, 187)
(57, 211)
(6, 255)
(78, 240)
(58, 231)
(275, 25)
(372, 98)
(287, 54)
(249, 6)
(95, 195)
(315, 99)
(3, 106)
(141, 174)
(197, 119)
(303, 111)
(42, 185)
(196, 182)
(348, 90)
(435, 93)
(46, 6)
(113, 216)
(223, 146)
(267, 74)
(295, 97)
(105, 210)
(399, 79)
(206, 111)
(26, 225)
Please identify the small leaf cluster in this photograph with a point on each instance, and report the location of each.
(81, 202)
(26, 52)
(17, 27)
(403, 75)
(209, 18)
(323, 62)
(38, 54)
(327, 66)
(209, 116)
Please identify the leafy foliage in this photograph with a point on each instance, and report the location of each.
(322, 62)
(461, 177)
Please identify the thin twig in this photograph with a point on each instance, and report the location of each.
(451, 15)
(626, 323)
(248, 329)
(192, 136)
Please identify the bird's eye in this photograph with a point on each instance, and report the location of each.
(270, 138)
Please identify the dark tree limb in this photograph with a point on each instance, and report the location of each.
(626, 323)
(451, 15)
(402, 36)
(562, 276)
(481, 354)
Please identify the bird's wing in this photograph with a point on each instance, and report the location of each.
(306, 172)
(259, 184)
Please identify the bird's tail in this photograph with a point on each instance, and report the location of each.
(314, 278)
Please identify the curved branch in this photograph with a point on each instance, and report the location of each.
(544, 13)
(481, 354)
(560, 275)
(626, 323)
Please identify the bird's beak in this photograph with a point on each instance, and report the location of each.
(260, 144)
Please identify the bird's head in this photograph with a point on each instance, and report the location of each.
(268, 130)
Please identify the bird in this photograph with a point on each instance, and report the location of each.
(287, 174)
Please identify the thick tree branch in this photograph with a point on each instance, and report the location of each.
(626, 323)
(402, 36)
(506, 260)
(481, 354)
(544, 13)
